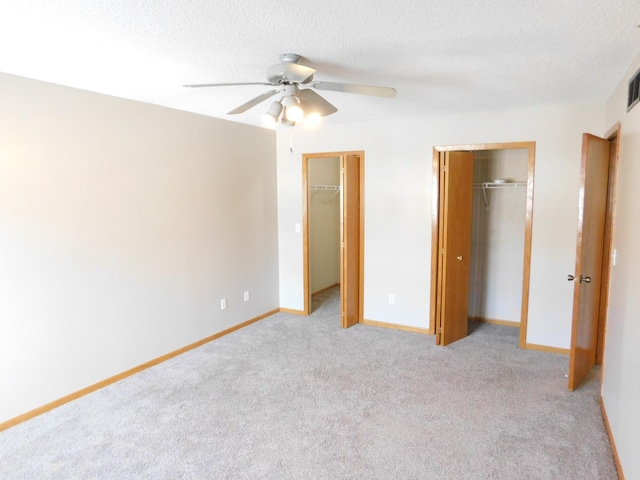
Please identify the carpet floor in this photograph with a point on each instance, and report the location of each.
(294, 397)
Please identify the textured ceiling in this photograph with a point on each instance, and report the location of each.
(442, 56)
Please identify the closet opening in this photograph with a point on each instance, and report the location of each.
(481, 238)
(333, 233)
(497, 236)
(325, 206)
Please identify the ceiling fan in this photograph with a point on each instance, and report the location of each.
(298, 101)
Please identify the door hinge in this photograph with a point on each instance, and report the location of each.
(439, 329)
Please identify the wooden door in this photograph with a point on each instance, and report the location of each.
(456, 200)
(592, 206)
(350, 254)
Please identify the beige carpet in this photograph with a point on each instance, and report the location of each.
(299, 398)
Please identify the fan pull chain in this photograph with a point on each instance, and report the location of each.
(291, 142)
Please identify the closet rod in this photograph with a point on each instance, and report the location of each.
(326, 188)
(500, 185)
(490, 185)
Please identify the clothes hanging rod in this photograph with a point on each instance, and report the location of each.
(500, 185)
(325, 187)
(490, 185)
(315, 189)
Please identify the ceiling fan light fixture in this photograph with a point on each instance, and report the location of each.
(272, 115)
(288, 101)
(292, 109)
(268, 121)
(294, 113)
(312, 119)
(312, 115)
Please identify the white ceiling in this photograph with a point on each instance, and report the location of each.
(442, 56)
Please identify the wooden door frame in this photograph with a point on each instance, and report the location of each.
(305, 226)
(613, 136)
(435, 222)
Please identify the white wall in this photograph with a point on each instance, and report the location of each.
(397, 170)
(621, 386)
(122, 225)
(324, 224)
(497, 238)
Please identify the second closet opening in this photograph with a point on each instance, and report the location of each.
(498, 236)
(325, 206)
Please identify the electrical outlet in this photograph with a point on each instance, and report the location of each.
(392, 298)
(223, 304)
(246, 295)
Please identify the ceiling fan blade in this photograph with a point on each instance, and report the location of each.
(317, 103)
(289, 73)
(198, 85)
(252, 103)
(297, 73)
(353, 88)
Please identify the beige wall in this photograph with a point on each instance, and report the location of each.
(122, 225)
(621, 386)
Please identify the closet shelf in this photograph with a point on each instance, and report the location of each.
(500, 185)
(315, 189)
(490, 185)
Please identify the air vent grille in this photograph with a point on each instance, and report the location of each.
(634, 91)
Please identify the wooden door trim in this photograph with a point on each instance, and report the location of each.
(613, 136)
(435, 222)
(361, 240)
(434, 304)
(306, 309)
(439, 270)
(305, 227)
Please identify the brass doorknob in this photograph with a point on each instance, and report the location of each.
(460, 258)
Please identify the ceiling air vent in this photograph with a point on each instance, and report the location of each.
(634, 91)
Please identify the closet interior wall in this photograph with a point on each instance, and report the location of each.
(497, 241)
(324, 223)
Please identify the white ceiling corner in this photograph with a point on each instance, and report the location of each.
(442, 56)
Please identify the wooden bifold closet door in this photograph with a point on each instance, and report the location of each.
(456, 201)
(350, 254)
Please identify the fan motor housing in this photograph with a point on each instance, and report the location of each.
(290, 58)
(278, 75)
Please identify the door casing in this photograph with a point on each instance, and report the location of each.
(435, 225)
(613, 135)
